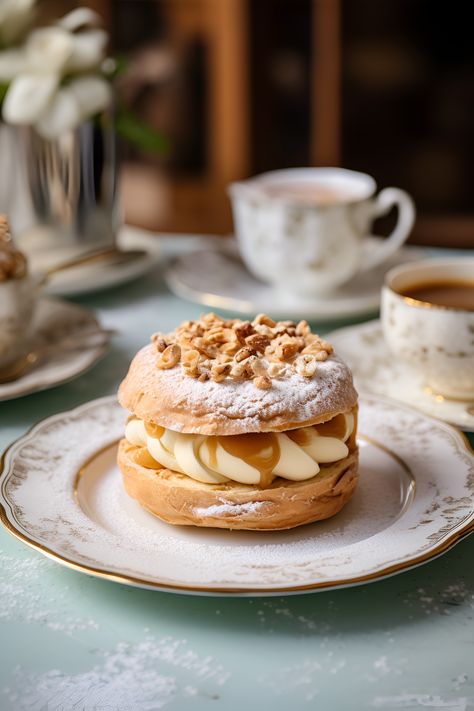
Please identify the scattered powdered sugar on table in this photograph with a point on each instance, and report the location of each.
(425, 701)
(130, 677)
(459, 681)
(442, 601)
(23, 598)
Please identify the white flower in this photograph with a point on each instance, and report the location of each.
(79, 18)
(63, 114)
(48, 49)
(93, 94)
(35, 72)
(78, 101)
(12, 63)
(88, 51)
(15, 16)
(28, 97)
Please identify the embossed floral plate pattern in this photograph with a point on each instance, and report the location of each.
(61, 492)
(377, 371)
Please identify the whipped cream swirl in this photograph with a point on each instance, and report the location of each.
(248, 459)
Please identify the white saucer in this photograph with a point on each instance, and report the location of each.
(94, 277)
(216, 277)
(62, 493)
(377, 371)
(59, 322)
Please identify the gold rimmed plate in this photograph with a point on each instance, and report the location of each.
(61, 493)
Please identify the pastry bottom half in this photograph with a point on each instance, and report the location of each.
(181, 500)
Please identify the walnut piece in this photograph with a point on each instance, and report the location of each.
(306, 366)
(263, 382)
(218, 349)
(170, 357)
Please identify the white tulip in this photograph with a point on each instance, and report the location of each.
(48, 49)
(15, 16)
(93, 94)
(12, 63)
(62, 115)
(80, 17)
(88, 51)
(28, 96)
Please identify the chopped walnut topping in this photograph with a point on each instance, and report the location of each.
(263, 382)
(219, 371)
(244, 353)
(265, 320)
(159, 341)
(302, 328)
(258, 342)
(306, 365)
(218, 349)
(287, 349)
(274, 370)
(170, 357)
(243, 330)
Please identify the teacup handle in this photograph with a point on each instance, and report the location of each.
(385, 200)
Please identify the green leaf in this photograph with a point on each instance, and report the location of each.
(3, 91)
(140, 134)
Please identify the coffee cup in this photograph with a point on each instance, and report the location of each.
(306, 230)
(427, 314)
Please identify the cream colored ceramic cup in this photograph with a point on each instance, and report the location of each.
(305, 229)
(17, 302)
(438, 341)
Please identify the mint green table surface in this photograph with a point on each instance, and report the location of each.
(69, 642)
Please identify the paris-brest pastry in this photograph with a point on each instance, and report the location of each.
(239, 425)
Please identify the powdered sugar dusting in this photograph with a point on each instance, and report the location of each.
(228, 509)
(130, 677)
(169, 397)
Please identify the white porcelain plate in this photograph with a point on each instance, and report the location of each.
(216, 277)
(377, 371)
(61, 492)
(75, 342)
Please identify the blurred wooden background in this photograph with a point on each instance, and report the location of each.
(243, 86)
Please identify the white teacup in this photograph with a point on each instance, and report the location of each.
(436, 340)
(305, 229)
(17, 301)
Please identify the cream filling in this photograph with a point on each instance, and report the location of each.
(192, 455)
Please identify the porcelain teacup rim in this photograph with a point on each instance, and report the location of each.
(417, 269)
(254, 186)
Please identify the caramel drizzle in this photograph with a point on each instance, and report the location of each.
(143, 458)
(332, 428)
(155, 431)
(352, 441)
(260, 450)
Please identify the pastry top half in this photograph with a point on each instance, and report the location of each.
(228, 377)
